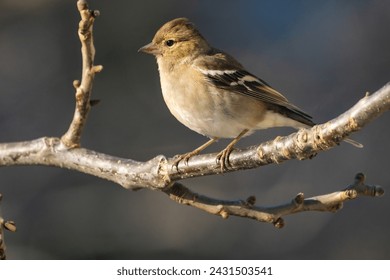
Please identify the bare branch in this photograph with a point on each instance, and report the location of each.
(245, 208)
(158, 173)
(84, 88)
(51, 152)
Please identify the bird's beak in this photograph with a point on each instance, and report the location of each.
(150, 48)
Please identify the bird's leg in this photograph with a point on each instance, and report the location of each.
(187, 156)
(223, 156)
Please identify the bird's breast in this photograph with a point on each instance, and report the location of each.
(206, 109)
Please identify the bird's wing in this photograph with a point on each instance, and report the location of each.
(224, 72)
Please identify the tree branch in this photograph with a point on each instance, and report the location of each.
(51, 152)
(159, 174)
(245, 208)
(72, 137)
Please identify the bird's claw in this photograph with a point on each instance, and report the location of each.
(179, 158)
(223, 158)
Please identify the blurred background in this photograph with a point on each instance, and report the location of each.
(324, 56)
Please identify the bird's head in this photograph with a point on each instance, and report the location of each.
(177, 39)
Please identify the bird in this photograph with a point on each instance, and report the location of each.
(211, 93)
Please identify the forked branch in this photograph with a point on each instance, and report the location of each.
(159, 174)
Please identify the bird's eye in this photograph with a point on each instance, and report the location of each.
(169, 43)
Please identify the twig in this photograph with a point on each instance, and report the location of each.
(245, 208)
(72, 137)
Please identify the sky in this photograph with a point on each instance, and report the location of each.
(322, 55)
